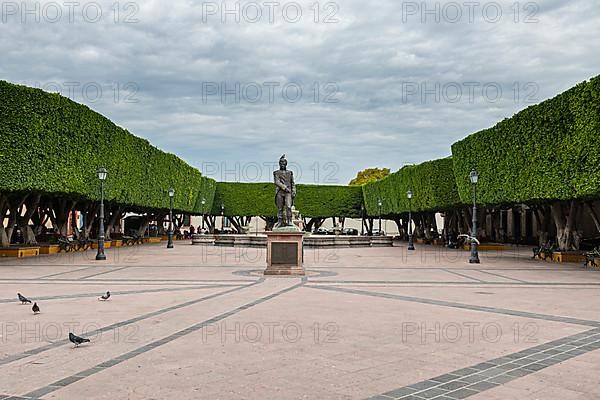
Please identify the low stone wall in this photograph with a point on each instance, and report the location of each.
(309, 241)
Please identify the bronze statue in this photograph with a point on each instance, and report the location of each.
(285, 193)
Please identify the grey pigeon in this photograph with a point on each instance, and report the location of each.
(105, 297)
(23, 299)
(76, 340)
(35, 308)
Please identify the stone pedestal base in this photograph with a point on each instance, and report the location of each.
(285, 253)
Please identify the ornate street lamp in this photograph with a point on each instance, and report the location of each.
(411, 245)
(102, 177)
(474, 253)
(362, 215)
(222, 217)
(203, 203)
(170, 241)
(379, 203)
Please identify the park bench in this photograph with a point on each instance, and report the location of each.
(544, 252)
(65, 245)
(83, 244)
(131, 240)
(592, 257)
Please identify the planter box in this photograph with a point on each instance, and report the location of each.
(492, 247)
(117, 243)
(107, 245)
(50, 249)
(594, 263)
(20, 252)
(486, 247)
(568, 256)
(439, 242)
(152, 240)
(165, 237)
(420, 241)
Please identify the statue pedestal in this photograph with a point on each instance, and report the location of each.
(285, 253)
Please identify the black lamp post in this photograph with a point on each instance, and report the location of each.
(474, 253)
(102, 176)
(170, 241)
(203, 203)
(411, 245)
(379, 203)
(362, 216)
(222, 217)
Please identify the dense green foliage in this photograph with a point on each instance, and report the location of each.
(432, 184)
(550, 151)
(251, 199)
(329, 201)
(369, 175)
(206, 192)
(52, 145)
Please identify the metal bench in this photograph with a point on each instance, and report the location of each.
(544, 252)
(591, 257)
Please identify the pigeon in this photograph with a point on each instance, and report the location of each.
(23, 299)
(105, 297)
(35, 308)
(76, 339)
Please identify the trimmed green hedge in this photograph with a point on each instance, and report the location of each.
(432, 184)
(550, 151)
(328, 201)
(52, 145)
(252, 199)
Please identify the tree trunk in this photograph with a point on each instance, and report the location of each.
(146, 222)
(466, 221)
(90, 213)
(369, 223)
(312, 224)
(115, 216)
(240, 223)
(269, 222)
(590, 208)
(542, 217)
(209, 223)
(15, 213)
(59, 211)
(565, 225)
(399, 225)
(419, 231)
(31, 205)
(40, 218)
(4, 207)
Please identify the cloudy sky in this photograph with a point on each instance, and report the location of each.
(383, 83)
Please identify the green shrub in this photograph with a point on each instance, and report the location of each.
(432, 184)
(550, 151)
(52, 145)
(252, 199)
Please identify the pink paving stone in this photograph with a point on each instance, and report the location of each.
(351, 345)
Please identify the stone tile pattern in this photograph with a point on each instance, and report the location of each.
(36, 394)
(470, 381)
(50, 346)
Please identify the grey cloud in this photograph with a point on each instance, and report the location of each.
(369, 54)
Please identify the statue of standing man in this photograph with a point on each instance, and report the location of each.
(285, 193)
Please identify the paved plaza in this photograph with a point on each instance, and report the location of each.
(199, 322)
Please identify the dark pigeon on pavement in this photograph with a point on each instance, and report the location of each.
(76, 340)
(23, 299)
